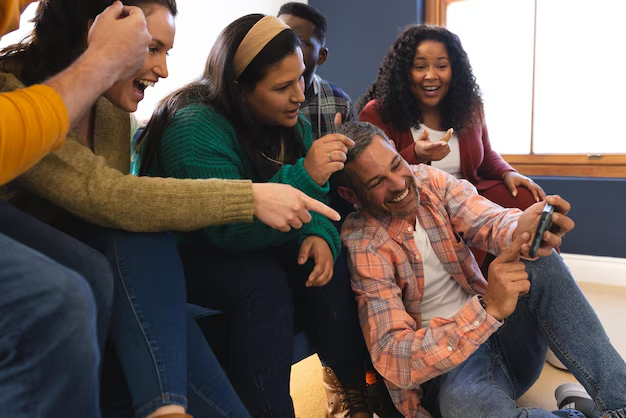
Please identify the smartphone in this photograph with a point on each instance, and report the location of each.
(544, 223)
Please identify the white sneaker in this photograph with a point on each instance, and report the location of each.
(574, 396)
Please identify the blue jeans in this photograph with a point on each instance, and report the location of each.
(160, 349)
(68, 252)
(555, 313)
(262, 295)
(51, 318)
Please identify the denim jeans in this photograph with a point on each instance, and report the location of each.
(68, 252)
(259, 294)
(159, 348)
(51, 319)
(554, 313)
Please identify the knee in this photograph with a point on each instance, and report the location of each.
(454, 397)
(552, 267)
(265, 286)
(52, 305)
(38, 293)
(96, 271)
(68, 297)
(338, 292)
(524, 198)
(501, 195)
(463, 401)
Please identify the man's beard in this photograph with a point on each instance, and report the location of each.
(379, 210)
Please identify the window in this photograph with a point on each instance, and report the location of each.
(552, 76)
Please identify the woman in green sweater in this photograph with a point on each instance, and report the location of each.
(241, 121)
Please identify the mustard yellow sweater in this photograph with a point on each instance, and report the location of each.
(33, 122)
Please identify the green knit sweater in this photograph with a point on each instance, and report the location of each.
(200, 143)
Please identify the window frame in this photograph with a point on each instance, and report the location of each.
(533, 164)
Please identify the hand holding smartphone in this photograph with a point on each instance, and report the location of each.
(544, 223)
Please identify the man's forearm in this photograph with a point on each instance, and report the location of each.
(82, 83)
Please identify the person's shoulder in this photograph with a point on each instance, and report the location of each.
(371, 108)
(332, 89)
(196, 109)
(200, 126)
(433, 182)
(427, 174)
(202, 116)
(363, 230)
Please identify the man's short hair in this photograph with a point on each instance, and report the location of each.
(306, 12)
(363, 134)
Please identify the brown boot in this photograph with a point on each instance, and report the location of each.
(344, 402)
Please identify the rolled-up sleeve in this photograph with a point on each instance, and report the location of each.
(403, 353)
(33, 122)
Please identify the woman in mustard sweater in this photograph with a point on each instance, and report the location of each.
(241, 121)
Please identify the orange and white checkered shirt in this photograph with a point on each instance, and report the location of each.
(388, 281)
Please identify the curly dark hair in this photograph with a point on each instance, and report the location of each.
(461, 107)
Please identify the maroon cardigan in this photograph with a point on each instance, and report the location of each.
(480, 165)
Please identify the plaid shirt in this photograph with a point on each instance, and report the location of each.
(331, 100)
(388, 281)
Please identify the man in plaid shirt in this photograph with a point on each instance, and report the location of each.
(323, 100)
(447, 341)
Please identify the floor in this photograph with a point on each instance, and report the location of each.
(608, 301)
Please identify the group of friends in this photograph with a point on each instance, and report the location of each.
(167, 279)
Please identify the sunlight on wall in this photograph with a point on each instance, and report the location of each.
(198, 24)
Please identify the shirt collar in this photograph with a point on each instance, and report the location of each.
(316, 84)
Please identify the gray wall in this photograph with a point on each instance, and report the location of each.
(599, 211)
(359, 34)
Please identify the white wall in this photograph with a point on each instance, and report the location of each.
(198, 24)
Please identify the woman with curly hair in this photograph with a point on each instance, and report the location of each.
(427, 101)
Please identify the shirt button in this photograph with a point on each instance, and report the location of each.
(449, 348)
(417, 257)
(398, 237)
(476, 323)
(409, 228)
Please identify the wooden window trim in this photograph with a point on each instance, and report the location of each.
(570, 165)
(435, 11)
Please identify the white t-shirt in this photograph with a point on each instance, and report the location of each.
(451, 164)
(443, 296)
